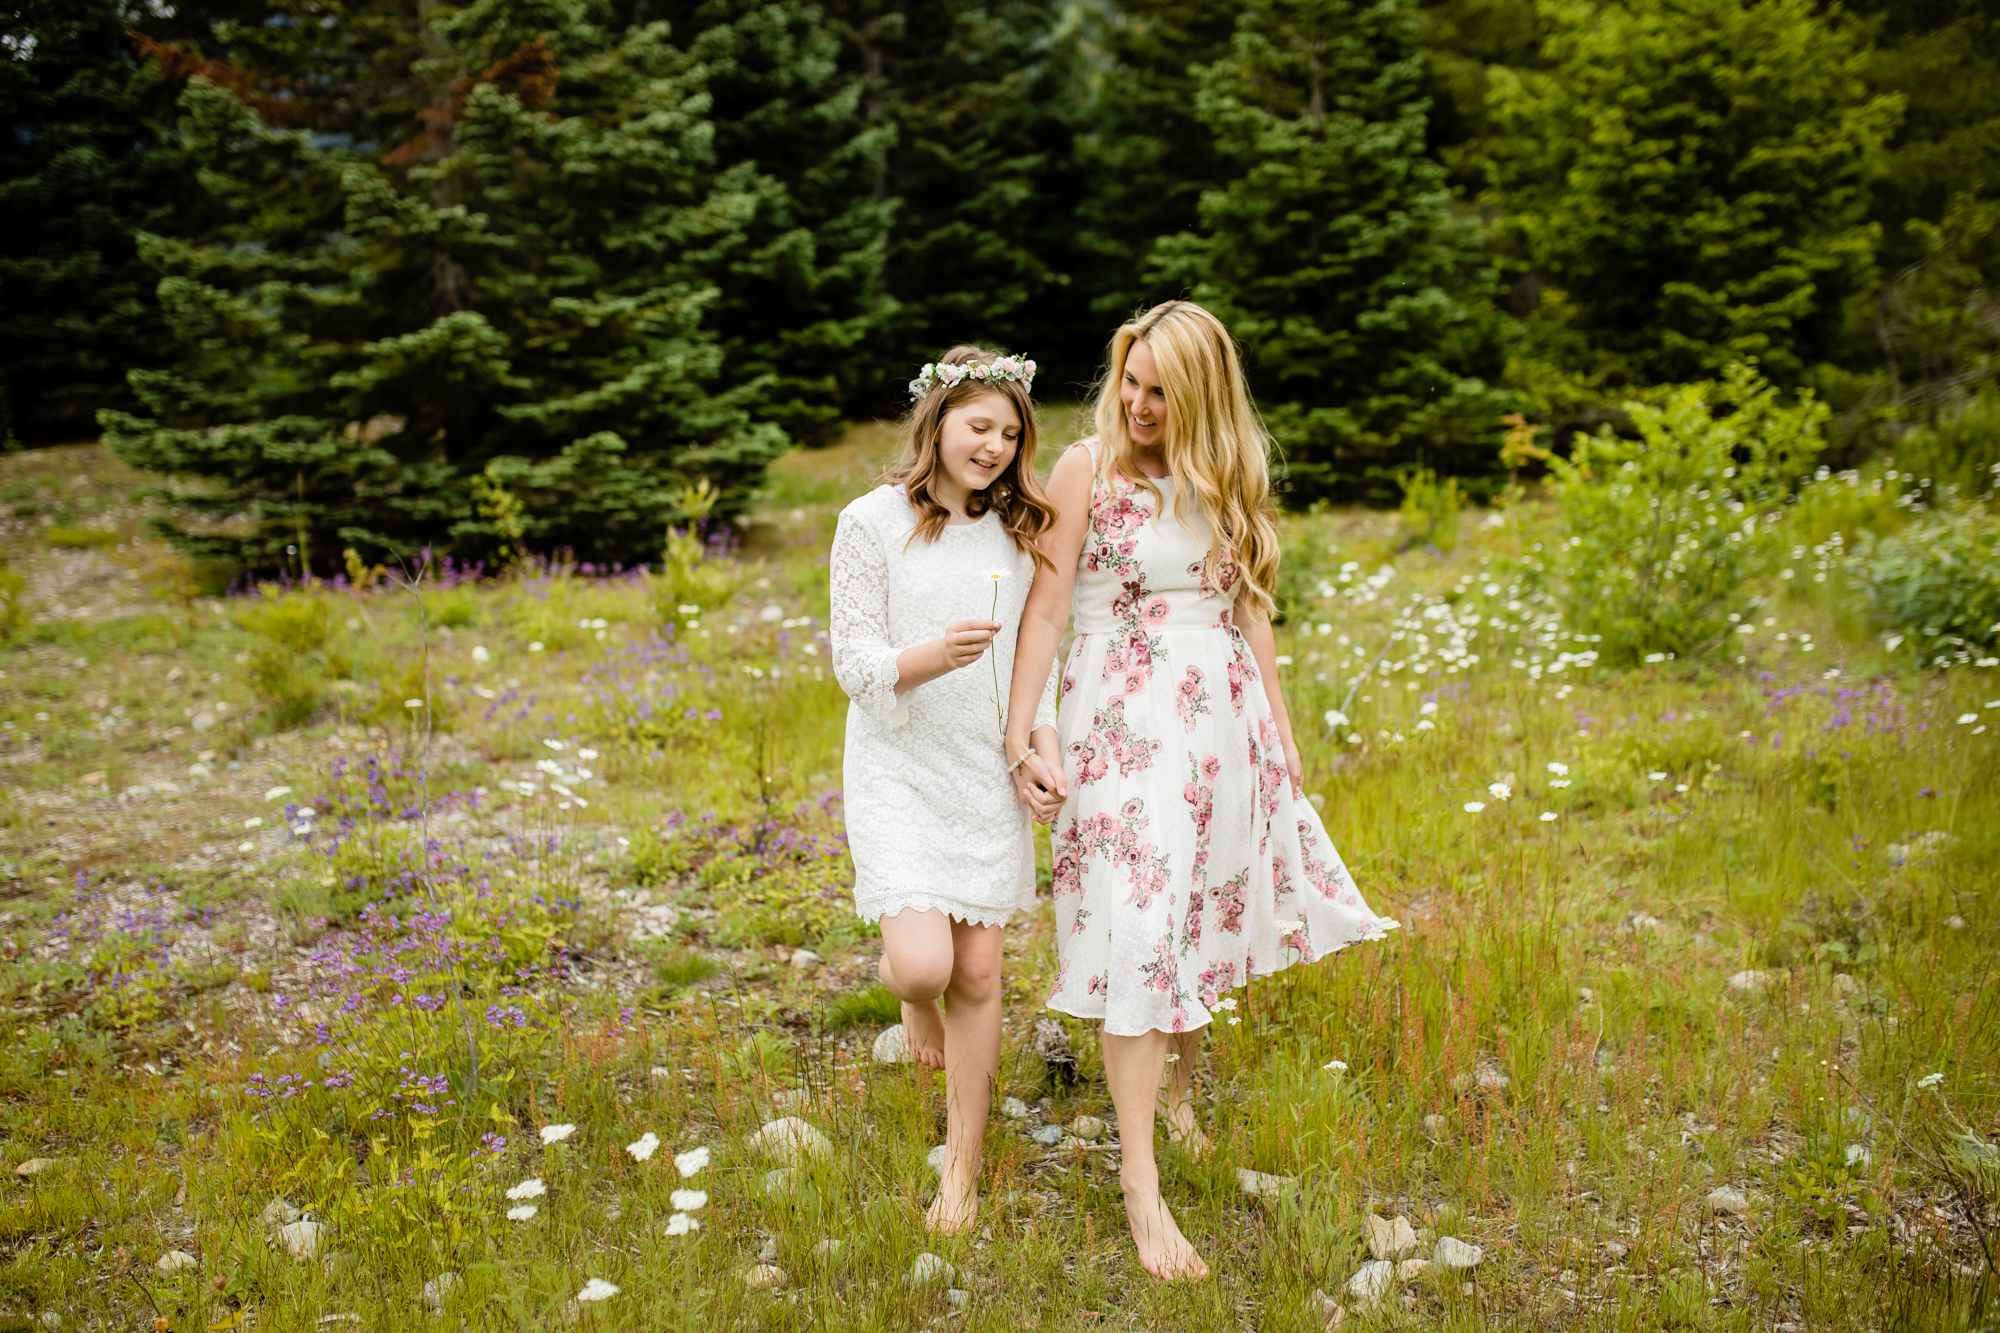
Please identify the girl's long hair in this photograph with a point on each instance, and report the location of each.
(1216, 445)
(1016, 494)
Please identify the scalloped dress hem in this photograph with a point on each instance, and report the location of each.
(873, 909)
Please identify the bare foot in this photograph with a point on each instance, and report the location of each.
(956, 1207)
(1185, 1130)
(1163, 1250)
(923, 1030)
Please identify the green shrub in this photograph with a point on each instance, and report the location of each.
(79, 539)
(676, 966)
(1661, 533)
(287, 662)
(1430, 509)
(874, 1007)
(1934, 588)
(692, 573)
(1961, 449)
(13, 614)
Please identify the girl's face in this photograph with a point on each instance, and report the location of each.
(977, 442)
(1144, 398)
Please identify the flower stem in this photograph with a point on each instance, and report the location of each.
(999, 713)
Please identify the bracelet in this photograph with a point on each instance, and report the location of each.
(1018, 762)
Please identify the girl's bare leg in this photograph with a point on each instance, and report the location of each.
(916, 966)
(1177, 1099)
(971, 1065)
(1135, 1067)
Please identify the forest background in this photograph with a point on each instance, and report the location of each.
(380, 275)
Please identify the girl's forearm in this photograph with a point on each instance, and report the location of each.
(920, 665)
(1034, 654)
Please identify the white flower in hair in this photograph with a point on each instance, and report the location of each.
(1006, 369)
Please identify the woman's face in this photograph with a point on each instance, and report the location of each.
(978, 441)
(1144, 398)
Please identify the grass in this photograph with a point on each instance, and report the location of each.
(1752, 948)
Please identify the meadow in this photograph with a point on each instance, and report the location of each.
(435, 943)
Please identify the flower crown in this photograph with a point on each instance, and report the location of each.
(1007, 368)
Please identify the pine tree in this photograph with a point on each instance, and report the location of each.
(1690, 179)
(1332, 251)
(515, 297)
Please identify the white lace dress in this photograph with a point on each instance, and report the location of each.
(933, 820)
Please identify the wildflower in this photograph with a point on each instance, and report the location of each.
(680, 1224)
(692, 1161)
(689, 1201)
(1561, 770)
(255, 821)
(276, 792)
(647, 1144)
(413, 703)
(522, 1212)
(246, 846)
(1548, 816)
(531, 1188)
(1335, 1066)
(1967, 719)
(1226, 1002)
(1474, 807)
(1425, 724)
(1657, 777)
(479, 653)
(1335, 718)
(535, 647)
(556, 1133)
(597, 1289)
(1500, 791)
(1930, 1080)
(553, 743)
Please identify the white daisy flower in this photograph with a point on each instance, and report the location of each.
(531, 1188)
(689, 1201)
(521, 1212)
(597, 1289)
(647, 1144)
(692, 1161)
(556, 1133)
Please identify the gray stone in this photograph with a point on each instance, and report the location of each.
(957, 1297)
(805, 960)
(34, 1166)
(779, 1181)
(1411, 1269)
(439, 1289)
(892, 1047)
(1014, 1108)
(1435, 1126)
(278, 1212)
(791, 1140)
(1451, 1252)
(768, 1252)
(934, 1159)
(1371, 1280)
(1727, 1200)
(765, 1277)
(301, 1238)
(1389, 1237)
(930, 1269)
(173, 1261)
(1087, 1127)
(1048, 1135)
(1261, 1186)
(1749, 981)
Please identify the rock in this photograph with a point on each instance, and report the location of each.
(780, 1181)
(173, 1261)
(805, 960)
(1330, 1311)
(1844, 984)
(660, 1074)
(439, 1289)
(278, 1212)
(767, 1253)
(892, 1047)
(764, 1277)
(1435, 1125)
(828, 1248)
(957, 1297)
(934, 1159)
(1389, 1237)
(33, 1167)
(1048, 1135)
(929, 1268)
(1451, 1252)
(1486, 1077)
(1727, 1200)
(1857, 1154)
(1411, 1269)
(1052, 1044)
(1617, 1249)
(1750, 981)
(1261, 1186)
(791, 1140)
(301, 1238)
(203, 721)
(1371, 1280)
(1014, 1108)
(1087, 1127)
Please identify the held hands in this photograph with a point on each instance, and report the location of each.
(965, 642)
(1039, 778)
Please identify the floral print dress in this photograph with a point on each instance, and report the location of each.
(1184, 865)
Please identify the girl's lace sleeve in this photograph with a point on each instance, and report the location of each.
(864, 660)
(1045, 711)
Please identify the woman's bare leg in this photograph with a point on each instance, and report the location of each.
(971, 1065)
(916, 966)
(1135, 1067)
(1177, 1099)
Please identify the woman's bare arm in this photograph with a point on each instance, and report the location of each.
(1046, 616)
(1256, 630)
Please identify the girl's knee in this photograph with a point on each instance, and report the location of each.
(975, 981)
(914, 976)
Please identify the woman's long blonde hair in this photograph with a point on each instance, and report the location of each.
(1025, 512)
(1215, 444)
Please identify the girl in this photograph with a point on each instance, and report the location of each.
(929, 573)
(1185, 859)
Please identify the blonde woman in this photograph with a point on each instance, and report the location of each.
(1186, 859)
(928, 575)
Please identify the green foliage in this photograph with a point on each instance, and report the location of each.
(1959, 450)
(1430, 509)
(675, 966)
(693, 574)
(875, 1006)
(288, 661)
(1660, 534)
(1693, 175)
(1330, 217)
(1934, 587)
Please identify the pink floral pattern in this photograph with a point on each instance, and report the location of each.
(1168, 896)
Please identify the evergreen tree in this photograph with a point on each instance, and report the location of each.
(1332, 251)
(1688, 182)
(516, 299)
